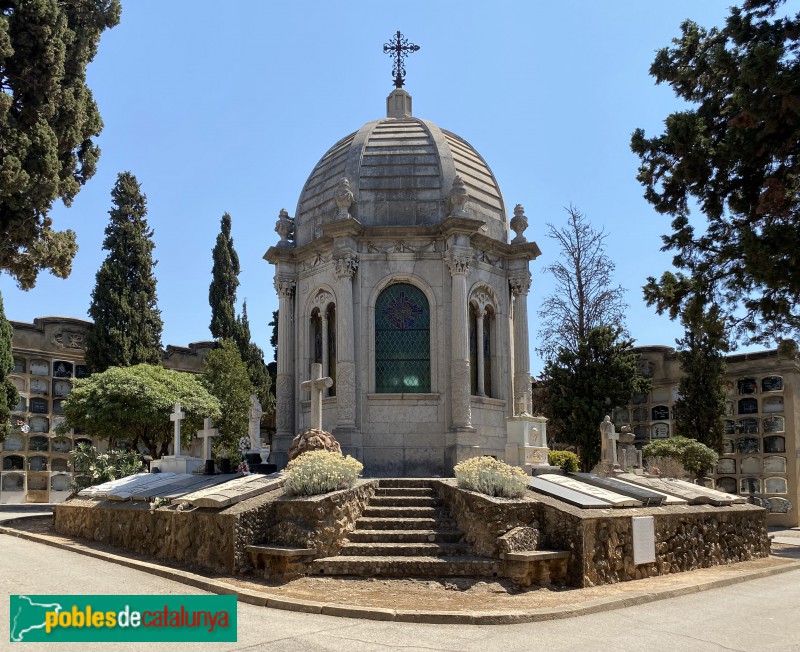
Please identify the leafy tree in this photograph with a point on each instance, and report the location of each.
(584, 297)
(735, 151)
(272, 366)
(92, 468)
(48, 118)
(8, 393)
(585, 385)
(224, 281)
(227, 379)
(700, 408)
(253, 357)
(694, 456)
(127, 322)
(135, 403)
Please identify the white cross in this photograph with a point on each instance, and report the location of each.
(316, 386)
(207, 433)
(176, 416)
(254, 425)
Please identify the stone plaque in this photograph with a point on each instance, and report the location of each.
(644, 540)
(615, 499)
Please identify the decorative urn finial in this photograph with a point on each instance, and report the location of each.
(518, 224)
(344, 199)
(284, 227)
(458, 198)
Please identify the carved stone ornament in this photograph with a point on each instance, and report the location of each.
(322, 300)
(483, 297)
(520, 283)
(346, 266)
(458, 262)
(69, 340)
(346, 391)
(344, 199)
(284, 227)
(284, 286)
(284, 403)
(458, 198)
(316, 261)
(518, 224)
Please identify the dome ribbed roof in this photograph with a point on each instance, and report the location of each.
(401, 172)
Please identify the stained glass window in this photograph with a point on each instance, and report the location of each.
(402, 341)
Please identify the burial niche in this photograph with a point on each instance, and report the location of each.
(773, 424)
(59, 483)
(40, 424)
(37, 483)
(775, 486)
(38, 444)
(729, 427)
(13, 463)
(748, 445)
(751, 465)
(748, 406)
(748, 426)
(13, 482)
(19, 366)
(773, 404)
(62, 445)
(37, 463)
(40, 368)
(772, 384)
(746, 386)
(39, 406)
(775, 464)
(660, 431)
(726, 466)
(774, 444)
(59, 464)
(727, 484)
(728, 447)
(62, 369)
(749, 486)
(14, 442)
(660, 413)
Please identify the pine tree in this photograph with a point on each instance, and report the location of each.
(253, 357)
(8, 393)
(224, 281)
(127, 323)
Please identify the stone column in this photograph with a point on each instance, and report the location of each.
(325, 352)
(346, 267)
(520, 283)
(479, 337)
(458, 262)
(285, 381)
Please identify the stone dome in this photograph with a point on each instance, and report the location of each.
(401, 171)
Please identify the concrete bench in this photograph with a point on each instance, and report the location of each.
(283, 561)
(536, 566)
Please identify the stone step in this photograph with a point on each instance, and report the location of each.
(401, 512)
(385, 549)
(397, 566)
(405, 491)
(417, 523)
(395, 483)
(405, 536)
(405, 501)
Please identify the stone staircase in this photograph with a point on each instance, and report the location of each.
(406, 531)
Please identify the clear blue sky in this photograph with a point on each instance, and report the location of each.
(228, 106)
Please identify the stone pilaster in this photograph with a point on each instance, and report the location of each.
(520, 283)
(479, 357)
(345, 268)
(458, 261)
(285, 381)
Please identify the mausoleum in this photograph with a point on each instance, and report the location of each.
(398, 274)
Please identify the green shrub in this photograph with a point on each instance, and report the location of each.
(694, 456)
(489, 476)
(93, 468)
(565, 460)
(320, 471)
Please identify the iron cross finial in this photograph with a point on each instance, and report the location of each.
(399, 48)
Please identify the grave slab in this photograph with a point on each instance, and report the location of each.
(182, 486)
(669, 499)
(647, 497)
(158, 480)
(233, 491)
(566, 494)
(691, 493)
(101, 490)
(612, 497)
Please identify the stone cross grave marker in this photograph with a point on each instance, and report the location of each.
(317, 385)
(254, 424)
(206, 434)
(176, 416)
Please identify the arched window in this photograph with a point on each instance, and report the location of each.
(323, 337)
(402, 340)
(481, 332)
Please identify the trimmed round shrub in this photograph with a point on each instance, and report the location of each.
(492, 477)
(319, 472)
(695, 457)
(566, 460)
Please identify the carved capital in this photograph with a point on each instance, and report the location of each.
(346, 266)
(520, 283)
(459, 261)
(284, 286)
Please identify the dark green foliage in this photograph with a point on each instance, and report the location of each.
(227, 379)
(566, 460)
(584, 297)
(92, 468)
(253, 357)
(224, 281)
(700, 409)
(586, 385)
(127, 322)
(134, 403)
(273, 338)
(8, 393)
(48, 118)
(735, 150)
(695, 457)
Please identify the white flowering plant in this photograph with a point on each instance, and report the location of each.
(492, 477)
(319, 472)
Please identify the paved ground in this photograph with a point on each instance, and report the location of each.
(756, 615)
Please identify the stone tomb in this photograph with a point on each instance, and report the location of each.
(99, 491)
(180, 486)
(233, 492)
(566, 494)
(646, 497)
(692, 493)
(613, 498)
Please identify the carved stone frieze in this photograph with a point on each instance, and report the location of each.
(401, 247)
(316, 261)
(69, 340)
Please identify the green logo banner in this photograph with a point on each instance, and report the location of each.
(122, 618)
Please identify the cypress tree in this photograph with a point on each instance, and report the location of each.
(8, 393)
(253, 357)
(127, 322)
(224, 281)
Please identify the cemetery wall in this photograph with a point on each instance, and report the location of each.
(686, 537)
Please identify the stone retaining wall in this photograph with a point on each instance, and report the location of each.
(686, 537)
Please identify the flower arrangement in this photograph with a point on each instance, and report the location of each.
(492, 477)
(319, 472)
